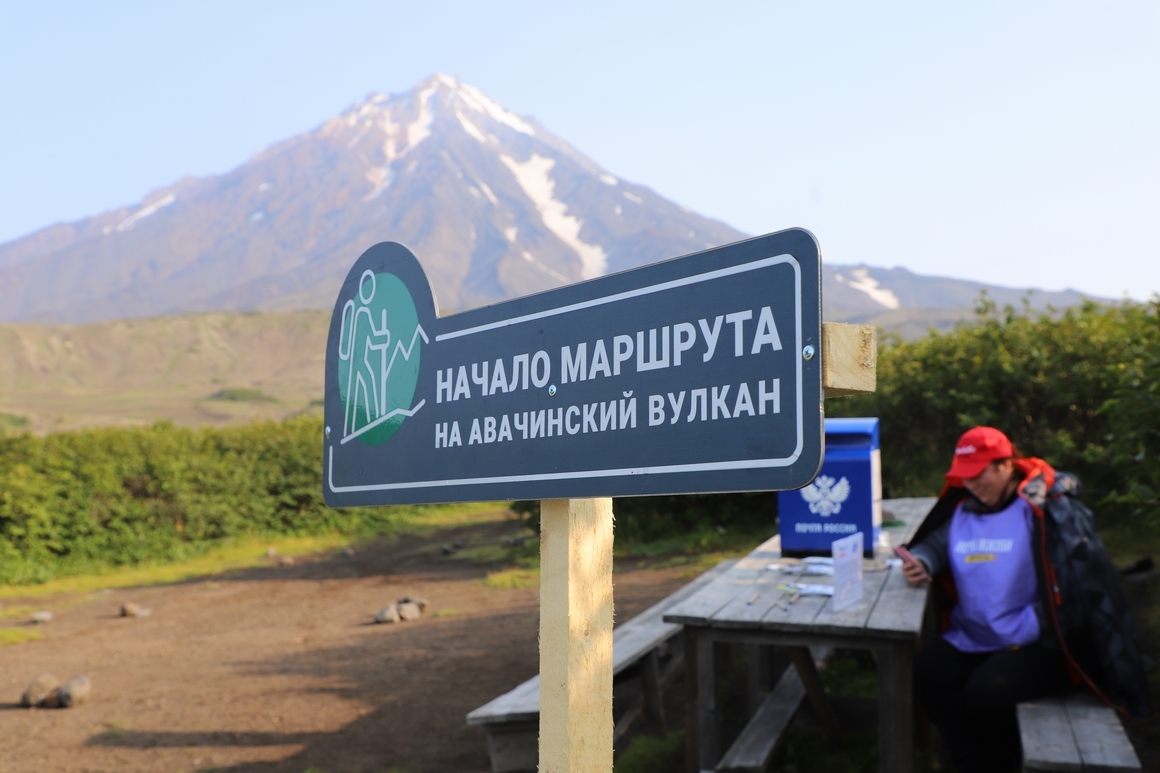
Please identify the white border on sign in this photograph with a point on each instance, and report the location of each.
(740, 464)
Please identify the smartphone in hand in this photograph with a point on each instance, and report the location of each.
(909, 559)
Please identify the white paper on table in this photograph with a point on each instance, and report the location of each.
(815, 569)
(847, 554)
(807, 589)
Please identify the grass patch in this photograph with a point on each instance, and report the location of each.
(9, 613)
(10, 636)
(12, 421)
(244, 554)
(851, 673)
(482, 554)
(693, 544)
(513, 579)
(649, 754)
(446, 613)
(241, 395)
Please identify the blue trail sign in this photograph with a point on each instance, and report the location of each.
(697, 374)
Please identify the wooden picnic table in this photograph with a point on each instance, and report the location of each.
(744, 605)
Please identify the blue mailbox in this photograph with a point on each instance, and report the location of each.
(845, 498)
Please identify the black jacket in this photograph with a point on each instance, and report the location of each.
(1080, 588)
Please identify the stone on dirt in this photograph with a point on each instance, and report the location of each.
(347, 552)
(286, 561)
(422, 602)
(409, 611)
(388, 614)
(74, 692)
(42, 617)
(129, 609)
(271, 552)
(41, 687)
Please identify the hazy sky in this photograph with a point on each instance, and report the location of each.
(1014, 143)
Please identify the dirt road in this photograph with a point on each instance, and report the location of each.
(280, 669)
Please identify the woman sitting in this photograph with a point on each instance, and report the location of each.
(1029, 600)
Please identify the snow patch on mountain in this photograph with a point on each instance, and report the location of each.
(487, 192)
(546, 269)
(144, 212)
(420, 129)
(481, 103)
(380, 178)
(533, 177)
(470, 128)
(865, 283)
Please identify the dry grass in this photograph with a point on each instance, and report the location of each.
(241, 555)
(137, 371)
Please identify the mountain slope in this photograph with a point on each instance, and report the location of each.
(492, 204)
(900, 301)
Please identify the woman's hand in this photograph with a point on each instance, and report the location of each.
(914, 574)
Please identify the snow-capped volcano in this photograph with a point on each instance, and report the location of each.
(493, 205)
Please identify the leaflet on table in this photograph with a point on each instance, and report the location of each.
(847, 558)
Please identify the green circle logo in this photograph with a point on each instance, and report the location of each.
(380, 342)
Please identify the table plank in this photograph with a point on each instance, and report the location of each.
(900, 607)
(645, 632)
(519, 705)
(1103, 745)
(853, 619)
(747, 609)
(755, 746)
(1048, 743)
(630, 642)
(796, 617)
(896, 708)
(699, 608)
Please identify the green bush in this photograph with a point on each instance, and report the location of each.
(1078, 388)
(679, 520)
(108, 497)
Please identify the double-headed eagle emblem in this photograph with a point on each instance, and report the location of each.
(825, 496)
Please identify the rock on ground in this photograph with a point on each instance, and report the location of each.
(409, 610)
(42, 617)
(129, 609)
(41, 687)
(74, 692)
(419, 600)
(388, 614)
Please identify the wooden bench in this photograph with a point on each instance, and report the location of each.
(511, 721)
(1077, 733)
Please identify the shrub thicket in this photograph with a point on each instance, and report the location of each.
(106, 497)
(1080, 388)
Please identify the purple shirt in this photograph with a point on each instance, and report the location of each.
(994, 569)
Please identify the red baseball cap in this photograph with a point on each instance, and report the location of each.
(976, 449)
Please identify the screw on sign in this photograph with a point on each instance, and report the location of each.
(692, 375)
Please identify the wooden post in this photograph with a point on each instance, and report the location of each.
(576, 728)
(849, 359)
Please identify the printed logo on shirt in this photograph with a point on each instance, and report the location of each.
(984, 545)
(979, 558)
